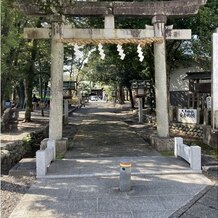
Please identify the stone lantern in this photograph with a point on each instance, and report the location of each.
(139, 87)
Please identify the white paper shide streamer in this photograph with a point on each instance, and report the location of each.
(77, 51)
(121, 51)
(101, 51)
(140, 53)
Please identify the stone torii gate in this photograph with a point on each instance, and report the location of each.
(157, 34)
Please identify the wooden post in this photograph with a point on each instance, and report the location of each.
(140, 112)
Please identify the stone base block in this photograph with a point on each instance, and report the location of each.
(61, 145)
(162, 144)
(210, 136)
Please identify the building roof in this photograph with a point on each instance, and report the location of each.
(198, 75)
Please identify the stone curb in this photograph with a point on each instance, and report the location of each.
(197, 197)
(210, 168)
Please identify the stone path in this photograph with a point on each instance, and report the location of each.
(103, 133)
(89, 181)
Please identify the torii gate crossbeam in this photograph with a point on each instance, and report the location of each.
(181, 8)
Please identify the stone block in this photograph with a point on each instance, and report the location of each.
(25, 167)
(162, 144)
(61, 146)
(210, 136)
(43, 144)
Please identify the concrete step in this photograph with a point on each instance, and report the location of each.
(25, 167)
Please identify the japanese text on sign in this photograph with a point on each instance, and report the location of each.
(187, 115)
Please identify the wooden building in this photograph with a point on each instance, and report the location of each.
(199, 89)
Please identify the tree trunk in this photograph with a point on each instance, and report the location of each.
(121, 99)
(131, 98)
(21, 95)
(28, 93)
(45, 89)
(29, 83)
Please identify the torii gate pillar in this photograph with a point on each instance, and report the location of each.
(56, 100)
(160, 77)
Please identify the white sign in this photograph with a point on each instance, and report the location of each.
(187, 115)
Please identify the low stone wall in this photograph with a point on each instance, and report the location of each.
(176, 129)
(190, 130)
(13, 152)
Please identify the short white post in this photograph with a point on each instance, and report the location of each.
(177, 142)
(140, 110)
(40, 163)
(52, 144)
(195, 159)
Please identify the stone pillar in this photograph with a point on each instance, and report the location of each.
(214, 111)
(161, 77)
(109, 22)
(56, 99)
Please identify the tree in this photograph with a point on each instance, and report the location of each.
(11, 45)
(19, 56)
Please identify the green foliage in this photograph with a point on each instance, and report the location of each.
(202, 25)
(59, 156)
(18, 61)
(27, 139)
(19, 58)
(167, 153)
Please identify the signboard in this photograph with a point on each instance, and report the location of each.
(208, 101)
(69, 85)
(187, 115)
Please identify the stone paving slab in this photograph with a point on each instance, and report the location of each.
(107, 138)
(25, 167)
(110, 166)
(150, 196)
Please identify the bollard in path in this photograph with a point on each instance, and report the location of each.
(125, 176)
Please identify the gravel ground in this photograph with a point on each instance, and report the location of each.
(12, 190)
